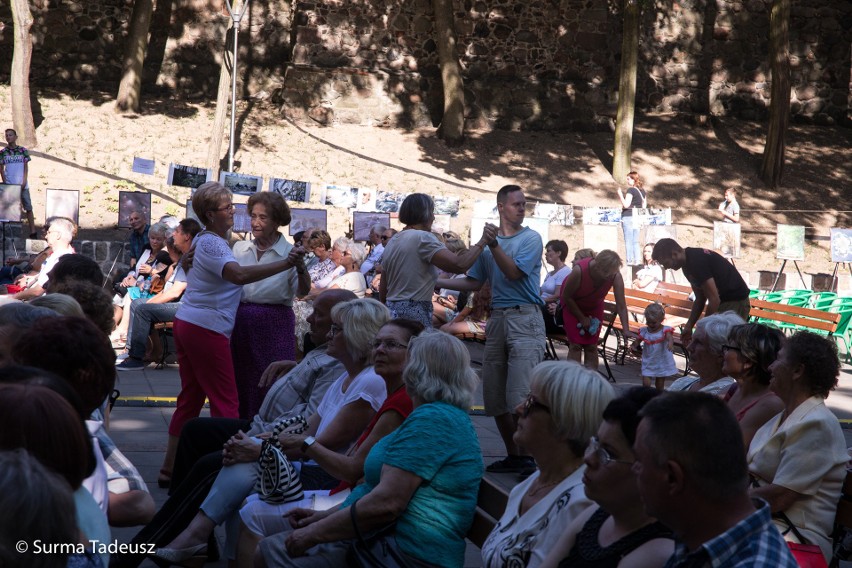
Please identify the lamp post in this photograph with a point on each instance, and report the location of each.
(236, 18)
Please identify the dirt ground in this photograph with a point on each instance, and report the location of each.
(84, 145)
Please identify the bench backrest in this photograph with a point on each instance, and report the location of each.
(795, 315)
(490, 504)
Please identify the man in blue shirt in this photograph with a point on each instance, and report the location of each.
(692, 475)
(138, 236)
(515, 336)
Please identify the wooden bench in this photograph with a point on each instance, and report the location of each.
(792, 318)
(490, 505)
(673, 290)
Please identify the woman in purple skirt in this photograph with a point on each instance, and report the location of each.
(264, 330)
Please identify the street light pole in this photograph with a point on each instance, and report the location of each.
(236, 18)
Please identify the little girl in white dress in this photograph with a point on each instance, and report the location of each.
(657, 345)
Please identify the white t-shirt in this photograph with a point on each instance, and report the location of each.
(277, 289)
(96, 483)
(525, 540)
(353, 281)
(48, 265)
(210, 301)
(367, 385)
(553, 282)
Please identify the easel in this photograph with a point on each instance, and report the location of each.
(781, 271)
(834, 280)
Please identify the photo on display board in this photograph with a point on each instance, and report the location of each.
(841, 245)
(648, 217)
(242, 220)
(485, 209)
(241, 184)
(601, 237)
(601, 216)
(366, 199)
(188, 176)
(726, 239)
(302, 219)
(362, 221)
(130, 201)
(341, 196)
(10, 202)
(63, 203)
(389, 201)
(447, 205)
(291, 190)
(557, 213)
(143, 166)
(653, 233)
(790, 242)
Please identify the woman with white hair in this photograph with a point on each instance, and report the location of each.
(706, 355)
(556, 421)
(424, 476)
(349, 254)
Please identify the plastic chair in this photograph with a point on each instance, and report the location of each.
(818, 297)
(789, 297)
(842, 332)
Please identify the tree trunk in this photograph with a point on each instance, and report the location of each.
(22, 112)
(223, 95)
(451, 129)
(130, 88)
(621, 153)
(772, 167)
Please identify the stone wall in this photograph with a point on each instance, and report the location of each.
(530, 64)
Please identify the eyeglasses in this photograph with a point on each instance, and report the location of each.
(334, 330)
(600, 452)
(228, 207)
(384, 238)
(726, 348)
(389, 344)
(530, 404)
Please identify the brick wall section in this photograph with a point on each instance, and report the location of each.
(530, 64)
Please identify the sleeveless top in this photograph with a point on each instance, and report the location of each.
(588, 552)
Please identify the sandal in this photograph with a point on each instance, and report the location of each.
(165, 479)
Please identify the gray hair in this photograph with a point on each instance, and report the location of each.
(439, 370)
(65, 227)
(577, 398)
(159, 229)
(358, 253)
(378, 228)
(62, 304)
(22, 315)
(361, 320)
(717, 327)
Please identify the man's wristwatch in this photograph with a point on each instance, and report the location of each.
(309, 441)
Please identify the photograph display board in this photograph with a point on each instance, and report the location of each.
(241, 184)
(63, 203)
(363, 220)
(557, 213)
(447, 205)
(130, 201)
(648, 217)
(726, 239)
(308, 219)
(341, 196)
(389, 201)
(653, 233)
(791, 242)
(188, 176)
(600, 237)
(143, 166)
(841, 245)
(10, 202)
(601, 216)
(485, 209)
(291, 190)
(366, 199)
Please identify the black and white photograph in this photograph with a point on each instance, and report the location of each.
(447, 205)
(363, 220)
(130, 201)
(790, 242)
(10, 202)
(726, 239)
(601, 216)
(302, 219)
(389, 201)
(242, 220)
(366, 199)
(188, 176)
(291, 190)
(558, 213)
(63, 203)
(241, 184)
(341, 196)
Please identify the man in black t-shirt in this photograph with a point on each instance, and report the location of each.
(715, 281)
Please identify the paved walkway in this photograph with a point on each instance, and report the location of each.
(140, 421)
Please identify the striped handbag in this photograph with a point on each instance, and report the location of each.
(278, 481)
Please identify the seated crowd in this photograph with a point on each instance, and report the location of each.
(339, 399)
